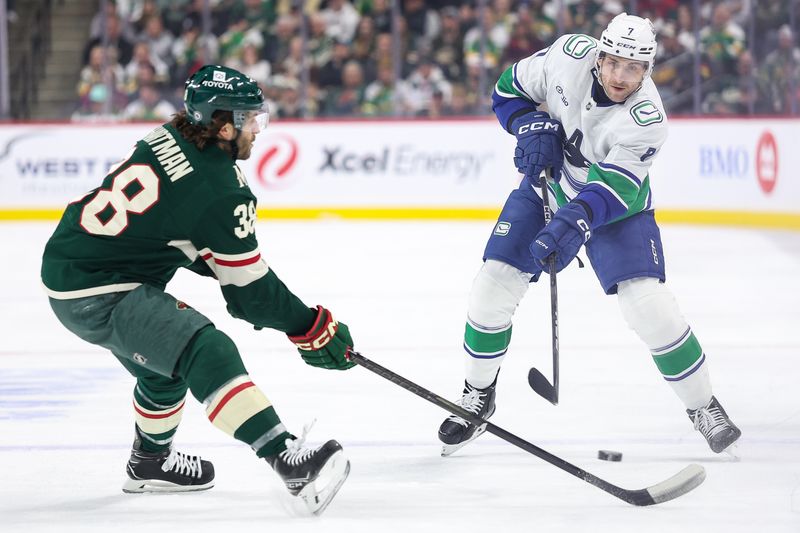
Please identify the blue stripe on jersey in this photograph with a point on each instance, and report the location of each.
(476, 356)
(575, 184)
(611, 166)
(505, 108)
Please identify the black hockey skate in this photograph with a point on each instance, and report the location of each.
(455, 432)
(312, 474)
(167, 471)
(713, 423)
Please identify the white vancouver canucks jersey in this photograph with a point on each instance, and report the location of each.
(610, 146)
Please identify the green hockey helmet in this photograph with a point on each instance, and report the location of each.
(218, 88)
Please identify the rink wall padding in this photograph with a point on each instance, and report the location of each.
(737, 172)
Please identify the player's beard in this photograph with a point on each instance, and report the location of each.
(244, 142)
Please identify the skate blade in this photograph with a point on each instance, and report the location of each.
(141, 486)
(450, 449)
(732, 452)
(318, 493)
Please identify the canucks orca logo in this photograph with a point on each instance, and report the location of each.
(646, 113)
(579, 45)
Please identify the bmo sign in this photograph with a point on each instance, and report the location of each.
(767, 162)
(741, 162)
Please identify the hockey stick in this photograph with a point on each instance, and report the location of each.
(536, 379)
(678, 485)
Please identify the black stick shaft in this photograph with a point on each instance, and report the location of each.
(636, 497)
(551, 266)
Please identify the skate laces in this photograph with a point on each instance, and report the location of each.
(709, 420)
(472, 401)
(295, 453)
(187, 465)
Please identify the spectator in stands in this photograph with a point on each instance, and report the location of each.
(149, 106)
(276, 47)
(522, 43)
(320, 44)
(781, 72)
(544, 26)
(347, 99)
(192, 50)
(239, 34)
(250, 63)
(423, 24)
(494, 42)
(259, 14)
(158, 39)
(341, 20)
(381, 13)
(461, 104)
(379, 95)
(674, 71)
(143, 58)
(113, 38)
(101, 68)
(292, 65)
(448, 47)
(330, 74)
(383, 54)
(418, 89)
(686, 28)
(101, 17)
(737, 93)
(140, 13)
(98, 106)
(288, 104)
(722, 41)
(364, 42)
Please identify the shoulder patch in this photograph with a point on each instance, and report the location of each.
(579, 45)
(646, 113)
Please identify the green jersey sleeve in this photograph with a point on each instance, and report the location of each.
(224, 238)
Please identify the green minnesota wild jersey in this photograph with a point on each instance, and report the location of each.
(169, 205)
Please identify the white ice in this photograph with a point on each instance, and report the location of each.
(66, 420)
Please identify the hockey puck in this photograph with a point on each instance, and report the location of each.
(609, 455)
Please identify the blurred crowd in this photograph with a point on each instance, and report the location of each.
(352, 58)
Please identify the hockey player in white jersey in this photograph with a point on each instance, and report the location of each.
(605, 124)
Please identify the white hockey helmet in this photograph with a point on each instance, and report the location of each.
(630, 37)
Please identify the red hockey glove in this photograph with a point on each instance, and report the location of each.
(326, 342)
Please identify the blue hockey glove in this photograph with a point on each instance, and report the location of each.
(564, 235)
(540, 144)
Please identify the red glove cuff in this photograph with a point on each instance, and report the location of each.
(321, 332)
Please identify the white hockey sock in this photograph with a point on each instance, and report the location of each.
(495, 294)
(652, 312)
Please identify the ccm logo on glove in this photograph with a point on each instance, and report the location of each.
(324, 336)
(538, 126)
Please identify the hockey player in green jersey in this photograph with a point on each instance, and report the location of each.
(178, 199)
(603, 126)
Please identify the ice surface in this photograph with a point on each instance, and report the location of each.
(66, 419)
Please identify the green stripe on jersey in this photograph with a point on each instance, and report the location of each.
(505, 85)
(627, 190)
(485, 343)
(680, 359)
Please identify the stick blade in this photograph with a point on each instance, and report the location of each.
(542, 386)
(684, 481)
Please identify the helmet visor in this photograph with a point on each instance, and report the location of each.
(254, 121)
